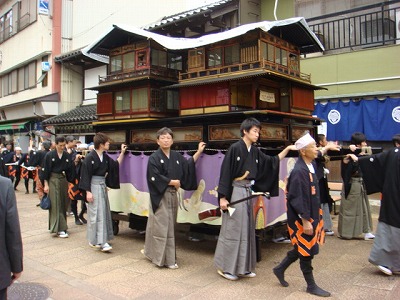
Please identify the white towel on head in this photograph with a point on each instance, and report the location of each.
(304, 141)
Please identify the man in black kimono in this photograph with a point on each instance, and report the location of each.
(322, 172)
(244, 168)
(9, 160)
(3, 169)
(74, 194)
(355, 212)
(17, 167)
(304, 216)
(167, 171)
(58, 169)
(99, 171)
(381, 173)
(36, 159)
(26, 172)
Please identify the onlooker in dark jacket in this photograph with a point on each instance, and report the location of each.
(10, 237)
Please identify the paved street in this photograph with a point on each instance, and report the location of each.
(68, 269)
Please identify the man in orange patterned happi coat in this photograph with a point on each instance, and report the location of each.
(27, 172)
(304, 215)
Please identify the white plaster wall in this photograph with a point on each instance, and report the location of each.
(91, 80)
(28, 43)
(87, 27)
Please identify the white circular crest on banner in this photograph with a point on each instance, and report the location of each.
(334, 116)
(396, 114)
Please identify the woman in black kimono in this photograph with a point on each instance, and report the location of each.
(304, 216)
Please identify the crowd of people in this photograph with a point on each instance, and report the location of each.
(69, 173)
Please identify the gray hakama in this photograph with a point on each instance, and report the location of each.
(99, 223)
(386, 248)
(160, 231)
(381, 173)
(236, 247)
(326, 216)
(58, 193)
(355, 213)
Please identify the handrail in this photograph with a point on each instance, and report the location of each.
(362, 8)
(367, 26)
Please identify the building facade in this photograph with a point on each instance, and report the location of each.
(30, 84)
(34, 85)
(359, 69)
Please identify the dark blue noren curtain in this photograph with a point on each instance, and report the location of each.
(379, 120)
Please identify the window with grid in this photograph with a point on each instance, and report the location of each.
(122, 101)
(231, 55)
(214, 57)
(172, 100)
(157, 102)
(196, 58)
(8, 25)
(22, 14)
(294, 62)
(284, 60)
(281, 57)
(139, 100)
(142, 59)
(267, 51)
(116, 63)
(128, 61)
(158, 58)
(175, 61)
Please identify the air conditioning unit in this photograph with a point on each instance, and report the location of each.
(378, 32)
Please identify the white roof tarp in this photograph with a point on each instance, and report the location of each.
(174, 43)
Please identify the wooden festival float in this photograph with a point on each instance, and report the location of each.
(203, 88)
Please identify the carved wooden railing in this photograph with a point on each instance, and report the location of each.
(152, 71)
(255, 65)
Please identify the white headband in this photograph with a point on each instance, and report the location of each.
(304, 141)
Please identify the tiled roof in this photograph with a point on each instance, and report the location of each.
(77, 57)
(183, 15)
(80, 114)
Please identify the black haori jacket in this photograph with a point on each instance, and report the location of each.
(303, 202)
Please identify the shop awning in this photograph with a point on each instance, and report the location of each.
(13, 126)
